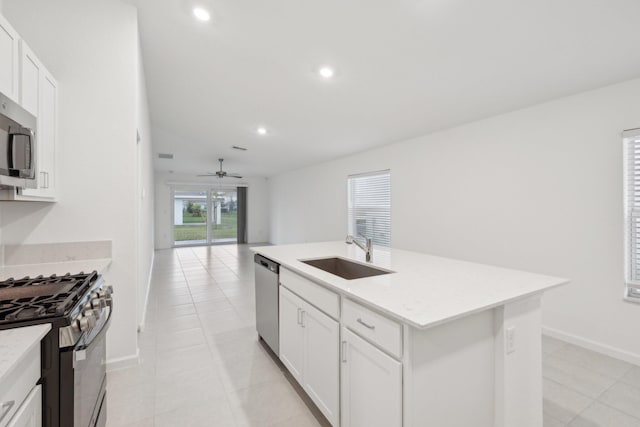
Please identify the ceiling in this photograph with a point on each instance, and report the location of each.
(403, 68)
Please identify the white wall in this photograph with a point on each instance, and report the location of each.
(144, 191)
(538, 189)
(91, 48)
(257, 206)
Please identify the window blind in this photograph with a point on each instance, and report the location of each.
(369, 206)
(631, 142)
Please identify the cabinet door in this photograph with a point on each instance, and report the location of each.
(291, 333)
(30, 412)
(47, 124)
(371, 385)
(9, 60)
(30, 79)
(47, 132)
(321, 371)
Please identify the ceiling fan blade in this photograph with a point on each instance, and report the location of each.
(208, 174)
(234, 176)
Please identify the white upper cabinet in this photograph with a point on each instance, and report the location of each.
(9, 60)
(48, 127)
(26, 80)
(39, 96)
(30, 78)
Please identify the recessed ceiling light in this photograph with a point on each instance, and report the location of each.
(326, 72)
(261, 130)
(201, 14)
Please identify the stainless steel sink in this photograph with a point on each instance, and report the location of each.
(344, 268)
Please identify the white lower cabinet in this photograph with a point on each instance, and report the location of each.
(371, 385)
(291, 333)
(321, 361)
(30, 412)
(309, 341)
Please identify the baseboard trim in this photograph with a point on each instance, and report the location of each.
(123, 362)
(592, 345)
(146, 298)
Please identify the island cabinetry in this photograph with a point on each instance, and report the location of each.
(380, 330)
(370, 386)
(309, 341)
(436, 342)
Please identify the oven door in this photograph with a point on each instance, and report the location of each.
(83, 385)
(90, 375)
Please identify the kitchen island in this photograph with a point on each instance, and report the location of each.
(436, 342)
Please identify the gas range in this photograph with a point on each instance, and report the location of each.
(78, 307)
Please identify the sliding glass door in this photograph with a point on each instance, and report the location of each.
(205, 216)
(224, 216)
(190, 210)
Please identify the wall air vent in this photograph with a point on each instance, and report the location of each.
(165, 156)
(235, 147)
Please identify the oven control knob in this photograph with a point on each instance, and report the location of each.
(91, 318)
(98, 303)
(83, 324)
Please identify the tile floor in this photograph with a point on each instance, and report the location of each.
(586, 389)
(203, 366)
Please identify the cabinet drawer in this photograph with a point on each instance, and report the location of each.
(376, 328)
(322, 298)
(17, 385)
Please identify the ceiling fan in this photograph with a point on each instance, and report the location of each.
(221, 173)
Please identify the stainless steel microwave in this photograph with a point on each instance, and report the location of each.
(17, 145)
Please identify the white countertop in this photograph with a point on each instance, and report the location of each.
(58, 268)
(424, 291)
(16, 343)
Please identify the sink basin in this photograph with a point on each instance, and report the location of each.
(344, 268)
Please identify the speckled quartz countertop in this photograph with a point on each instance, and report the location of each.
(424, 291)
(58, 268)
(16, 343)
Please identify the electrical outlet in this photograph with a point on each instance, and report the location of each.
(510, 339)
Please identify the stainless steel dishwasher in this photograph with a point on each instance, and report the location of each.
(267, 304)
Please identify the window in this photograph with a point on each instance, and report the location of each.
(369, 206)
(631, 142)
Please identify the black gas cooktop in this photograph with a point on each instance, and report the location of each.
(42, 297)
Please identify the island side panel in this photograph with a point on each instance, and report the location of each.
(449, 373)
(519, 369)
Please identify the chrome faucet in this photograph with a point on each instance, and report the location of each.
(367, 247)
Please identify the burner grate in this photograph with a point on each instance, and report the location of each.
(41, 297)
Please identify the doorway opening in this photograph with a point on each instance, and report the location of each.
(205, 216)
